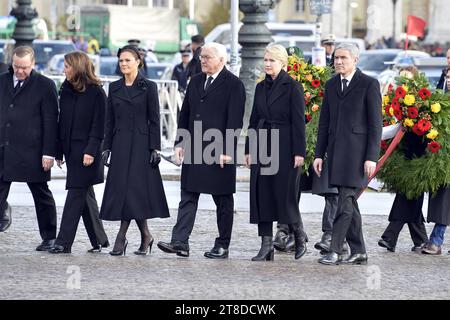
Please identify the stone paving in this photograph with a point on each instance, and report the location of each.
(28, 274)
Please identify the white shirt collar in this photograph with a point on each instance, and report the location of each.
(349, 77)
(215, 75)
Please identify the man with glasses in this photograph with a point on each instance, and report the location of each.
(214, 101)
(28, 125)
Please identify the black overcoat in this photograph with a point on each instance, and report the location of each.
(80, 131)
(350, 128)
(133, 188)
(439, 207)
(274, 197)
(220, 108)
(28, 127)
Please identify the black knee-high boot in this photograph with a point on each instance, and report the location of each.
(146, 238)
(266, 251)
(300, 240)
(120, 246)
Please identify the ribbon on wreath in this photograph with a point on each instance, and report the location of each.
(396, 131)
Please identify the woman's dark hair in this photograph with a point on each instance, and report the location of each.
(83, 70)
(134, 51)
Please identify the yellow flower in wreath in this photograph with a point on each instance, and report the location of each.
(432, 134)
(309, 77)
(408, 122)
(409, 100)
(386, 100)
(436, 107)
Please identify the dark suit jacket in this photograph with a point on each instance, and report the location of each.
(28, 127)
(80, 131)
(221, 107)
(350, 129)
(440, 84)
(194, 66)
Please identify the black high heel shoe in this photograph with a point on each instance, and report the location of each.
(146, 251)
(120, 252)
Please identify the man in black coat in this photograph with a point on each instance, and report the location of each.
(350, 129)
(194, 66)
(180, 71)
(214, 104)
(28, 125)
(3, 67)
(443, 81)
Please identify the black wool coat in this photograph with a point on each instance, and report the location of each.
(28, 127)
(350, 128)
(80, 131)
(133, 188)
(439, 207)
(220, 108)
(274, 197)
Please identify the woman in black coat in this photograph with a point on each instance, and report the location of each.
(80, 133)
(134, 188)
(278, 107)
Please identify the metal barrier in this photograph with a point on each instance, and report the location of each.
(170, 102)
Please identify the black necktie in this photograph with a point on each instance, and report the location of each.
(344, 85)
(17, 87)
(208, 83)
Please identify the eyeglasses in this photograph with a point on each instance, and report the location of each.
(206, 58)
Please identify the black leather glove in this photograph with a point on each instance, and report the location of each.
(105, 158)
(155, 158)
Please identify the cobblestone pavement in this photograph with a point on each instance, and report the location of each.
(28, 274)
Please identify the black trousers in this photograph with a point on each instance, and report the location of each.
(43, 202)
(329, 212)
(416, 230)
(187, 210)
(81, 203)
(348, 224)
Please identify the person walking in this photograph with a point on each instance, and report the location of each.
(349, 132)
(134, 189)
(278, 106)
(80, 134)
(28, 122)
(214, 102)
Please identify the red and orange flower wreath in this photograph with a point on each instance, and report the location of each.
(411, 102)
(313, 80)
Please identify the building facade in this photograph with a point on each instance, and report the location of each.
(371, 19)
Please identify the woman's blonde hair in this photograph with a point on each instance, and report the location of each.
(278, 52)
(83, 70)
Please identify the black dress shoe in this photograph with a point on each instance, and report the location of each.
(59, 249)
(96, 249)
(383, 243)
(418, 248)
(217, 253)
(331, 258)
(181, 249)
(106, 244)
(5, 220)
(357, 258)
(46, 245)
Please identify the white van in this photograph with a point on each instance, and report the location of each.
(222, 32)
